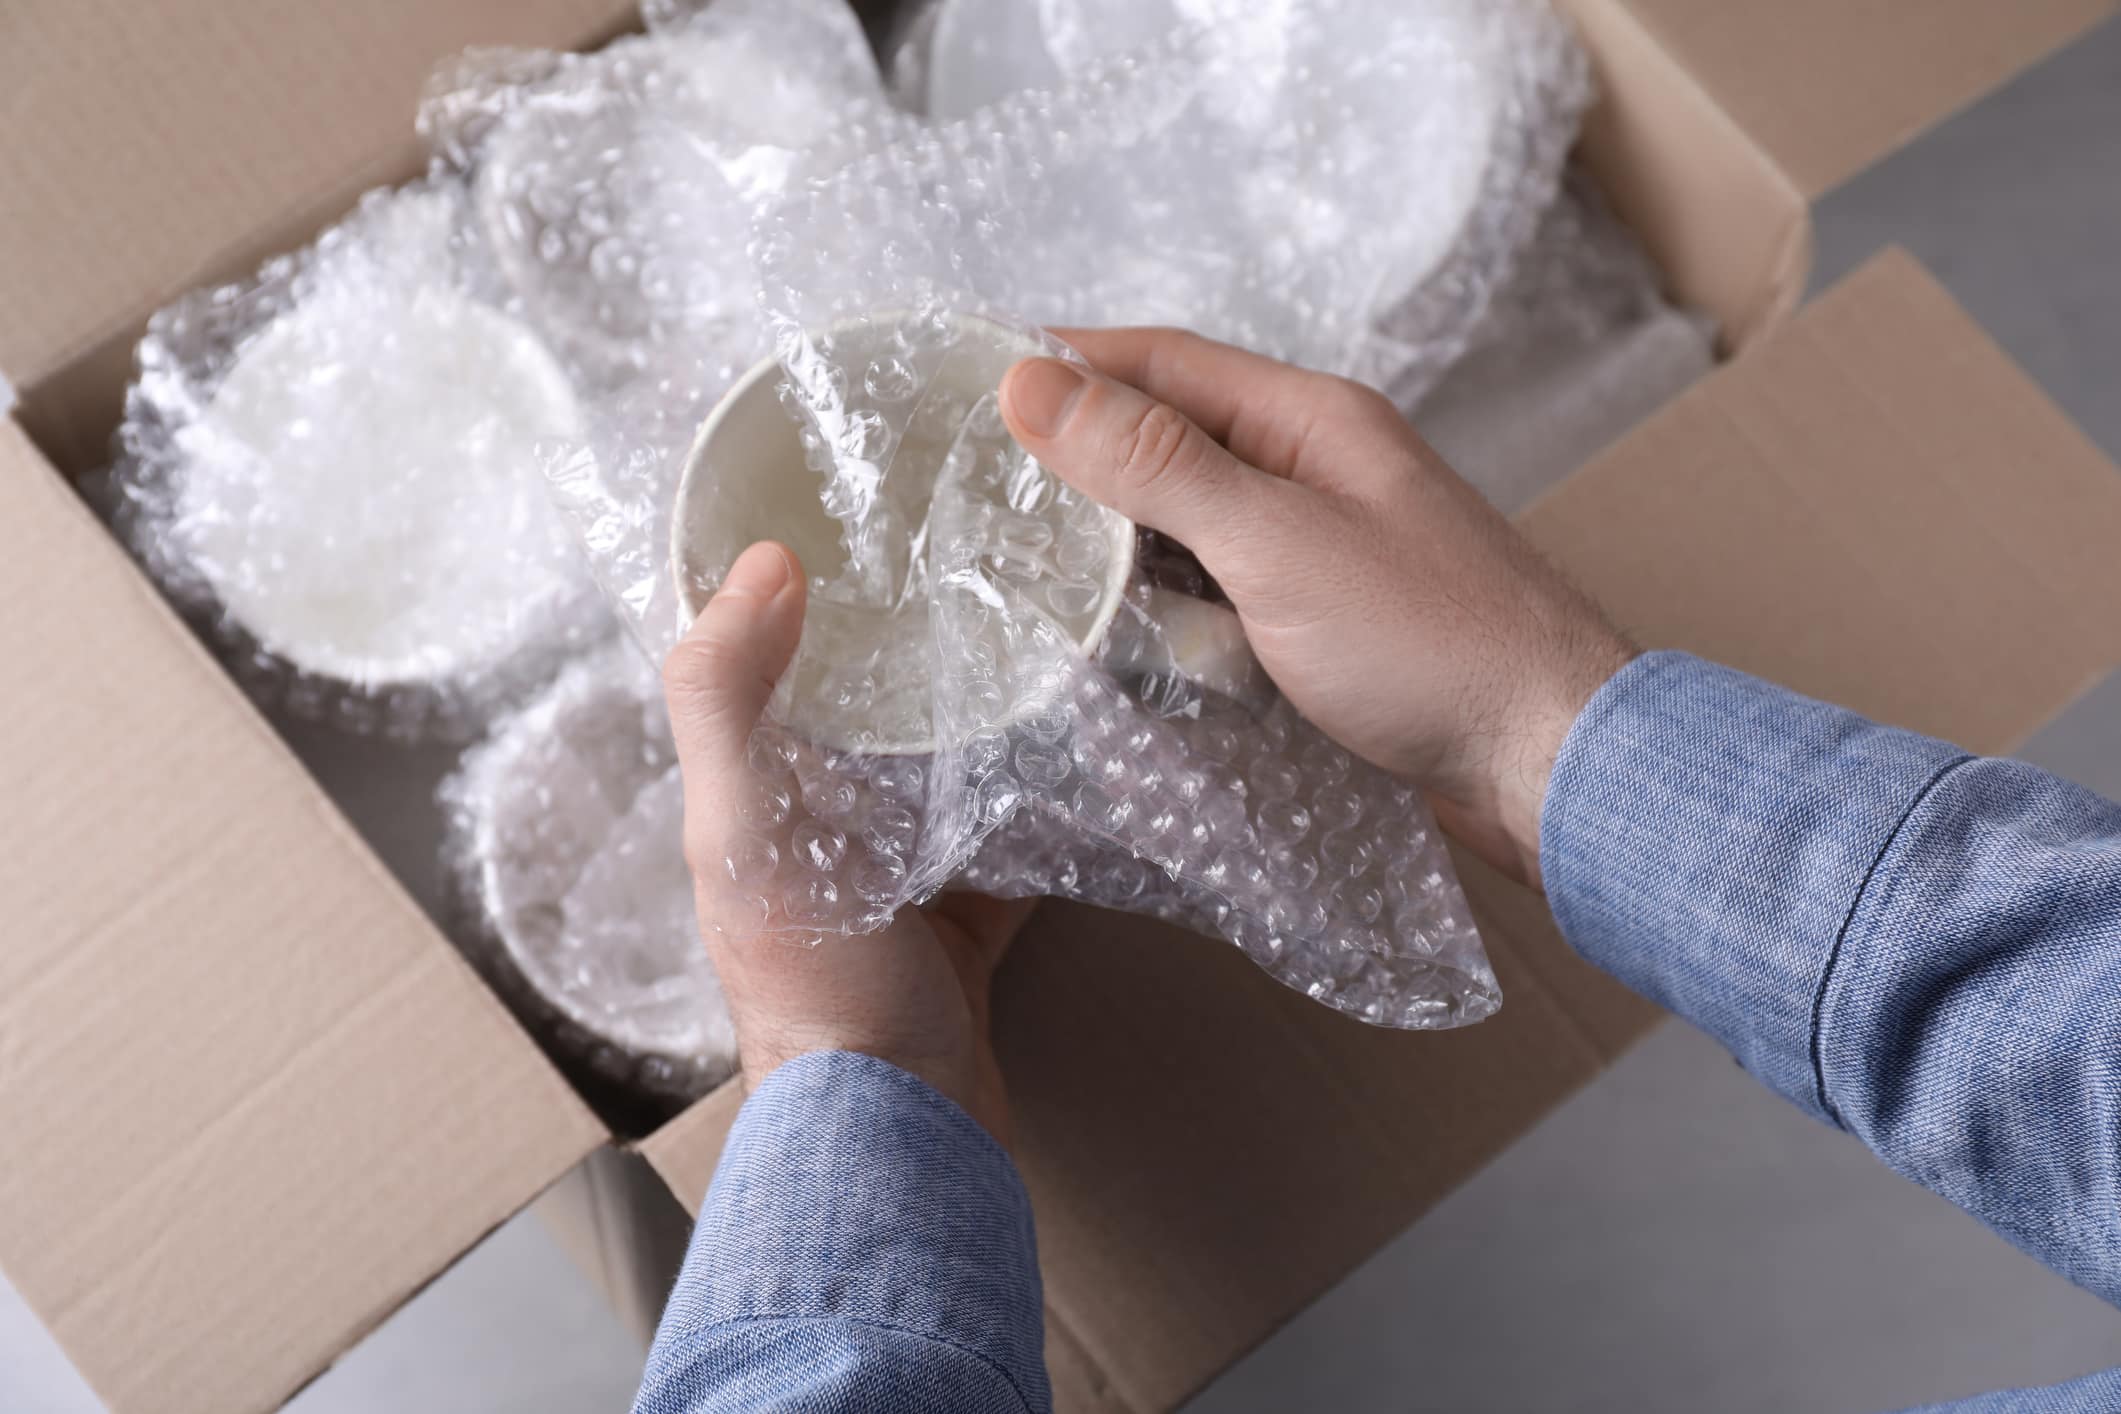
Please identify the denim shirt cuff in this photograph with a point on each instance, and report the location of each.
(1706, 838)
(850, 1190)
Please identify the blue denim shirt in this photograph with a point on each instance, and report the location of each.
(1919, 946)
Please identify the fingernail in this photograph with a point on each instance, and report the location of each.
(759, 573)
(1041, 392)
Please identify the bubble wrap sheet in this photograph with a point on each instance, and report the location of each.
(617, 188)
(996, 685)
(328, 462)
(1342, 183)
(565, 848)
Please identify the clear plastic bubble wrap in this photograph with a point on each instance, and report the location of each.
(1000, 683)
(565, 850)
(329, 462)
(1341, 183)
(617, 188)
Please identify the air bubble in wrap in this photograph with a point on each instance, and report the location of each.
(334, 460)
(565, 830)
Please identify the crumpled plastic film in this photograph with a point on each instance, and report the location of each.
(1583, 273)
(618, 190)
(565, 852)
(1342, 183)
(947, 58)
(334, 462)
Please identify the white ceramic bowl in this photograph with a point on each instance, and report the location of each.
(362, 495)
(863, 679)
(565, 828)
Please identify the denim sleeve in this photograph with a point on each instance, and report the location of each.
(865, 1245)
(2094, 1392)
(1919, 946)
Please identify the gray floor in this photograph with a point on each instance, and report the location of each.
(1672, 1239)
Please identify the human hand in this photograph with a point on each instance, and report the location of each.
(914, 994)
(1388, 600)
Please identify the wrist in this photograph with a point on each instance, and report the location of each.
(1544, 722)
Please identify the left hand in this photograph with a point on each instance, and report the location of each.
(915, 994)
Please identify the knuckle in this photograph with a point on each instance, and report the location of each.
(1157, 445)
(698, 664)
(1171, 351)
(1344, 397)
(709, 720)
(705, 682)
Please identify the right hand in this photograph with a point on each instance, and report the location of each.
(1389, 601)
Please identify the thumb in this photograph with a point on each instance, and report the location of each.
(718, 678)
(1143, 458)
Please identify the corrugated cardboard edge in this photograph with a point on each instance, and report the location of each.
(186, 1152)
(619, 1222)
(1827, 87)
(88, 270)
(1881, 411)
(1730, 232)
(685, 1150)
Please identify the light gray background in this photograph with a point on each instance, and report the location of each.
(1674, 1238)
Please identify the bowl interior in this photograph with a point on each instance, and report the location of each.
(865, 677)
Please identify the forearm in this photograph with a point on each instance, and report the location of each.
(1919, 946)
(864, 1244)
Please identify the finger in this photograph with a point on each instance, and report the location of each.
(1143, 458)
(1262, 409)
(989, 924)
(719, 677)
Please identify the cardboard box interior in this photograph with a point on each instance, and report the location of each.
(223, 1079)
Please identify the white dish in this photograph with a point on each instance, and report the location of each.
(361, 491)
(567, 837)
(864, 679)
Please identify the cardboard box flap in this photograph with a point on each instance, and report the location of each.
(245, 124)
(233, 1054)
(1208, 1151)
(1729, 231)
(1831, 510)
(1828, 86)
(685, 1151)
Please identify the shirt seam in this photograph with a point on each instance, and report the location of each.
(792, 1318)
(1814, 1041)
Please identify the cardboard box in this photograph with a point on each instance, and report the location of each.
(253, 1100)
